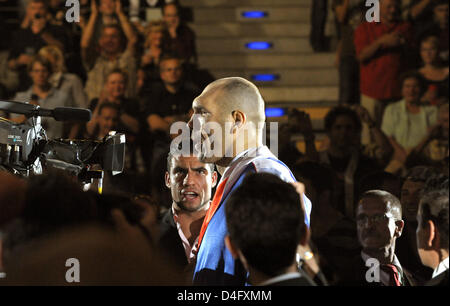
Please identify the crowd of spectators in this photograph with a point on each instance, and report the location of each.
(378, 185)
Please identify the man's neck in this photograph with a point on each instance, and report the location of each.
(190, 222)
(412, 107)
(225, 162)
(256, 277)
(384, 255)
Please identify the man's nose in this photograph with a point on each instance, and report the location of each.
(188, 179)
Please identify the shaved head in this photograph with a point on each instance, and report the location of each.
(237, 93)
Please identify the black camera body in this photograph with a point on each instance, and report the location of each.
(25, 149)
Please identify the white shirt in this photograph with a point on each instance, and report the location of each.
(441, 268)
(189, 250)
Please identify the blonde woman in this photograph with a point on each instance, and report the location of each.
(61, 79)
(153, 43)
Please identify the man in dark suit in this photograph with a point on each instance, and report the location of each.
(190, 182)
(432, 234)
(266, 223)
(379, 224)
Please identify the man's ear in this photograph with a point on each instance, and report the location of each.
(400, 224)
(430, 230)
(239, 118)
(167, 179)
(231, 247)
(214, 179)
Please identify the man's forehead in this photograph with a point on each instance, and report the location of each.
(372, 204)
(179, 160)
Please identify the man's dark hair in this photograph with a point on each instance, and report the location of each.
(108, 105)
(178, 152)
(338, 111)
(266, 222)
(434, 206)
(393, 204)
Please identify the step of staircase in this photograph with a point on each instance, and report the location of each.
(286, 77)
(267, 61)
(238, 45)
(231, 29)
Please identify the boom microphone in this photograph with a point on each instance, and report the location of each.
(70, 114)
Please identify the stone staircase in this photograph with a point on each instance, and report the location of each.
(304, 79)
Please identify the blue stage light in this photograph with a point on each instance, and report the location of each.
(275, 112)
(254, 14)
(265, 77)
(258, 45)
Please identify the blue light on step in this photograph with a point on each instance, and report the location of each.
(275, 112)
(254, 14)
(258, 45)
(265, 77)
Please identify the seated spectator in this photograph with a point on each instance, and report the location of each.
(113, 52)
(43, 94)
(190, 182)
(433, 150)
(412, 188)
(349, 15)
(432, 235)
(438, 26)
(153, 50)
(61, 79)
(35, 32)
(332, 233)
(379, 225)
(181, 39)
(406, 122)
(265, 229)
(434, 73)
(165, 104)
(382, 49)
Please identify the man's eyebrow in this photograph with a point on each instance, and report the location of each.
(199, 168)
(199, 108)
(179, 169)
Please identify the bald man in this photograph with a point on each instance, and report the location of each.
(234, 108)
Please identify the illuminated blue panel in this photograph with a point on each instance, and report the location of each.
(265, 77)
(275, 112)
(258, 45)
(254, 14)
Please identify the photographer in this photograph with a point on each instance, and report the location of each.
(36, 32)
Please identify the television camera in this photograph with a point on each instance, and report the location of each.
(25, 149)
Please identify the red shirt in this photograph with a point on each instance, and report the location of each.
(380, 75)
